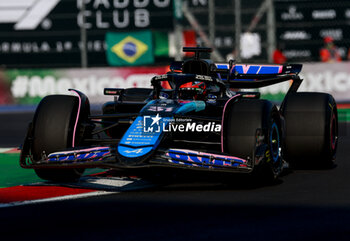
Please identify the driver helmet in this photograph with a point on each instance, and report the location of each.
(193, 91)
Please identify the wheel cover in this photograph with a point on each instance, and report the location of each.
(275, 142)
(334, 136)
(275, 150)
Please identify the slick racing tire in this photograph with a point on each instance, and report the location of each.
(243, 119)
(53, 128)
(311, 121)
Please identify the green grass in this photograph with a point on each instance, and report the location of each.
(11, 174)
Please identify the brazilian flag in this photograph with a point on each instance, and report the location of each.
(129, 48)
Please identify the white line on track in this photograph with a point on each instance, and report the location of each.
(111, 184)
(55, 199)
(3, 150)
(102, 185)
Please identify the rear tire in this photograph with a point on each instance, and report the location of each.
(311, 129)
(53, 128)
(242, 121)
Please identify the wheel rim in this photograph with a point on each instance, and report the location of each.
(334, 136)
(275, 142)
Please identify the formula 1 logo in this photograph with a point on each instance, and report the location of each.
(26, 14)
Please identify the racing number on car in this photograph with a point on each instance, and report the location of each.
(160, 109)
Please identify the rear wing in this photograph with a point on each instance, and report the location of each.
(256, 76)
(259, 70)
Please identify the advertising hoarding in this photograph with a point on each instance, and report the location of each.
(29, 86)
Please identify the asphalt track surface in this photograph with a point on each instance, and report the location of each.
(304, 205)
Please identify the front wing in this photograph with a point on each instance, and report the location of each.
(105, 157)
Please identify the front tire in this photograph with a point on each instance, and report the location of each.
(243, 119)
(53, 130)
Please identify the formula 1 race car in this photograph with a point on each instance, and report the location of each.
(195, 117)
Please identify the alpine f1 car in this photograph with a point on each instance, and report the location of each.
(196, 117)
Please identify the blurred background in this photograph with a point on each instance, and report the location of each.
(48, 46)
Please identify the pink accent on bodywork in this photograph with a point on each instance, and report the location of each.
(77, 119)
(245, 68)
(80, 150)
(206, 154)
(222, 122)
(280, 68)
(232, 68)
(258, 70)
(222, 156)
